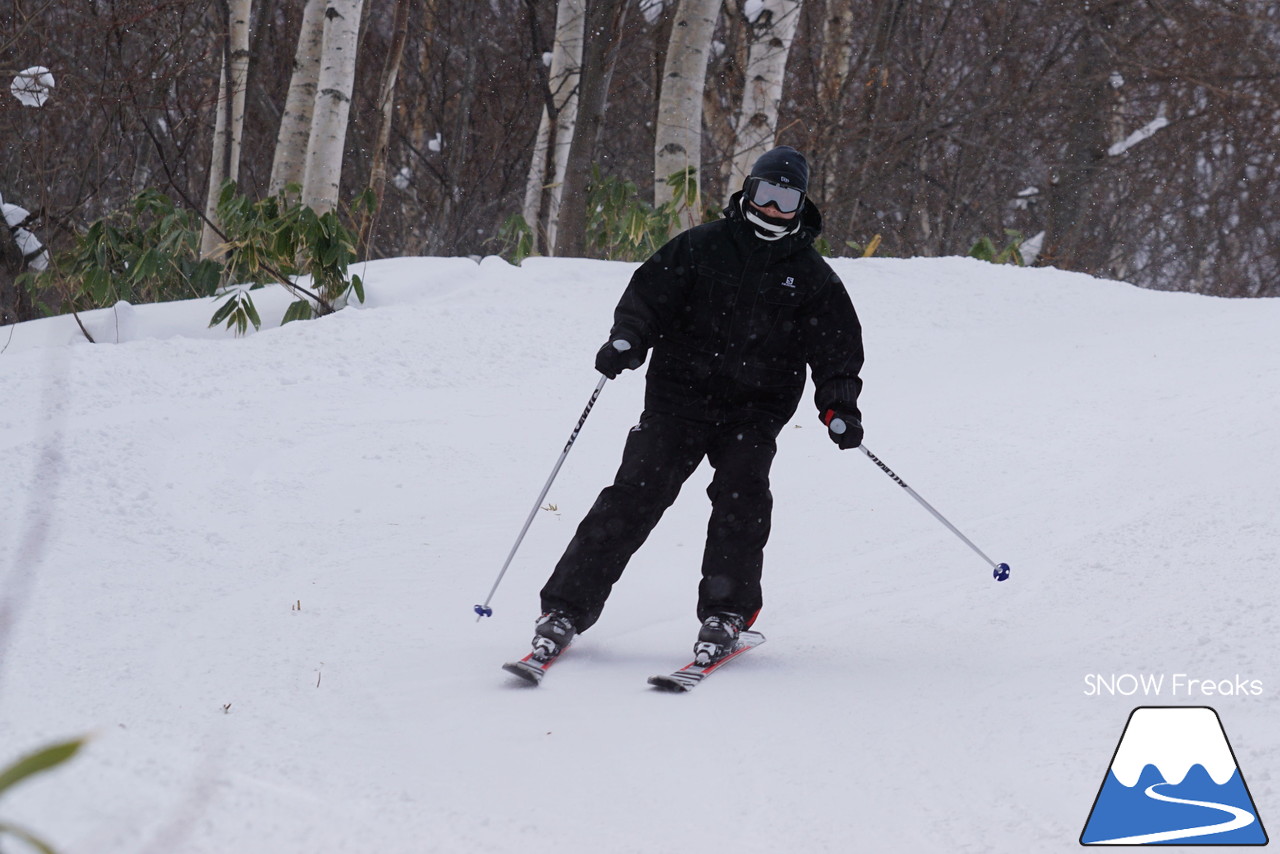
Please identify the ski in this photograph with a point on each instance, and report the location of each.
(688, 677)
(531, 669)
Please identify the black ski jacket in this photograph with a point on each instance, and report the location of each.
(733, 320)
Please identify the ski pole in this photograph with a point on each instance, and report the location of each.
(484, 610)
(999, 571)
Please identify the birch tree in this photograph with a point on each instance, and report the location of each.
(229, 126)
(771, 34)
(559, 118)
(605, 19)
(323, 175)
(290, 161)
(678, 140)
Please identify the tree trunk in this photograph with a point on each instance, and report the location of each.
(456, 147)
(888, 14)
(10, 267)
(756, 131)
(721, 101)
(536, 183)
(837, 57)
(386, 109)
(678, 141)
(321, 182)
(1073, 210)
(290, 162)
(559, 118)
(239, 64)
(229, 125)
(603, 34)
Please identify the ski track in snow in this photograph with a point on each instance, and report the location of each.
(262, 555)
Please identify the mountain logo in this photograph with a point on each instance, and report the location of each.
(1173, 780)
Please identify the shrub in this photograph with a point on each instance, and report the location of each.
(985, 249)
(623, 227)
(620, 225)
(150, 252)
(146, 252)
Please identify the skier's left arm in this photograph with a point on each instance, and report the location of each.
(833, 348)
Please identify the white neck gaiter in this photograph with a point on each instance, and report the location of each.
(769, 227)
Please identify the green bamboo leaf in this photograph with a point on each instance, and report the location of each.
(251, 312)
(32, 840)
(98, 283)
(145, 268)
(41, 760)
(300, 310)
(223, 312)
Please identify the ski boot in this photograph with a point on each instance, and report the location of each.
(717, 637)
(551, 634)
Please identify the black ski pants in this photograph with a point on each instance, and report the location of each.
(660, 454)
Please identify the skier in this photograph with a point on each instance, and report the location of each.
(732, 311)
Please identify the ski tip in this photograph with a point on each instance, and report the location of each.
(666, 683)
(1001, 572)
(531, 675)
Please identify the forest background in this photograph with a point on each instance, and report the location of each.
(1131, 139)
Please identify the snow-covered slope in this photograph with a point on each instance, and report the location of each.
(257, 561)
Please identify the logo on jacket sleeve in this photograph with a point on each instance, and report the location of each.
(790, 282)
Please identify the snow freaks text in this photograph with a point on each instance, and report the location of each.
(1168, 685)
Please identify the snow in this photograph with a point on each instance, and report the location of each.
(32, 86)
(1031, 247)
(247, 567)
(652, 10)
(1143, 133)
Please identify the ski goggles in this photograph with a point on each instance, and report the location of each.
(761, 192)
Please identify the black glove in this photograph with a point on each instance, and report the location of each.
(844, 427)
(617, 356)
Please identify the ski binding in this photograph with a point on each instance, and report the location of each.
(532, 669)
(688, 677)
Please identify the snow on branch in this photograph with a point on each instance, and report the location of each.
(32, 86)
(34, 254)
(1145, 132)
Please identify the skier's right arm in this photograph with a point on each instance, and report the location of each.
(657, 290)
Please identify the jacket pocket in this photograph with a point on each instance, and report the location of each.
(781, 296)
(773, 323)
